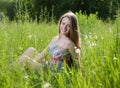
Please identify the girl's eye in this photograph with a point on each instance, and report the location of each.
(68, 26)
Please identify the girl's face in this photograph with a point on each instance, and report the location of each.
(65, 26)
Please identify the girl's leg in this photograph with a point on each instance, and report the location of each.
(29, 53)
(28, 56)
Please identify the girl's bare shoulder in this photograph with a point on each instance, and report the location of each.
(55, 37)
(53, 40)
(70, 44)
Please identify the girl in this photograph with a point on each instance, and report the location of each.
(63, 48)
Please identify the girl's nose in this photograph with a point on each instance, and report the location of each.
(65, 27)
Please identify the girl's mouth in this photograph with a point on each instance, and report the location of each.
(64, 30)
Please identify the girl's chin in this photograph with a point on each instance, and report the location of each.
(63, 31)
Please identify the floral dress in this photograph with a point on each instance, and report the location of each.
(58, 57)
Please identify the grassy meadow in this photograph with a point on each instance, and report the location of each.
(100, 54)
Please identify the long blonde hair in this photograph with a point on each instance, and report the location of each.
(74, 34)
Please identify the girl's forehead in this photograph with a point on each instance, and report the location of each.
(66, 19)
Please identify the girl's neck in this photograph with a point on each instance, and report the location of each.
(62, 36)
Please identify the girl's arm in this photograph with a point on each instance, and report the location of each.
(40, 57)
(75, 52)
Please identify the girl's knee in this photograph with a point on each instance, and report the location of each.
(29, 53)
(31, 49)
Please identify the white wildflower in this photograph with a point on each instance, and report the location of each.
(26, 76)
(86, 36)
(30, 36)
(96, 37)
(46, 85)
(34, 60)
(102, 37)
(46, 62)
(20, 48)
(89, 33)
(110, 29)
(77, 51)
(100, 84)
(93, 44)
(114, 58)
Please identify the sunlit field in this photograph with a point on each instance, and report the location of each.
(100, 55)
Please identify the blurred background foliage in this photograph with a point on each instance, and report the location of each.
(37, 9)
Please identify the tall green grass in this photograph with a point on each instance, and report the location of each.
(100, 54)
